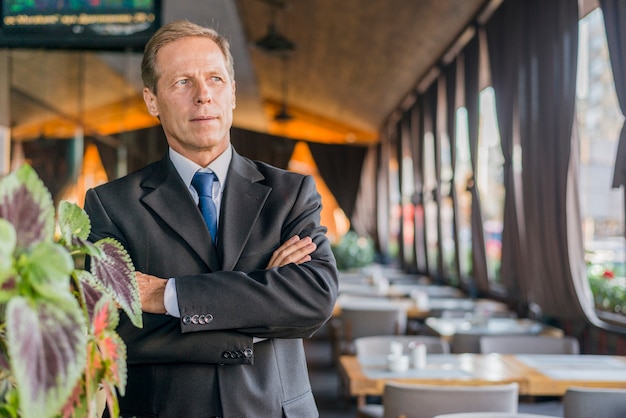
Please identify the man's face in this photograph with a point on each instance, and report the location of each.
(195, 98)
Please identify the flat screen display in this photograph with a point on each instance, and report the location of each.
(78, 24)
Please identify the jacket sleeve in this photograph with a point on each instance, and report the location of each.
(292, 301)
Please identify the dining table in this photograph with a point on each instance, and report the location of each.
(399, 289)
(479, 324)
(415, 309)
(536, 374)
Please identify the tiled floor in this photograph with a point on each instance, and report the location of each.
(325, 383)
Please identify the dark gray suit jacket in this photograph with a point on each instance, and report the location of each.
(191, 367)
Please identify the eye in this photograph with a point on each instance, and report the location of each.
(216, 79)
(182, 82)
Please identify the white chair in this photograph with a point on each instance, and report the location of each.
(528, 344)
(426, 401)
(581, 402)
(378, 345)
(492, 415)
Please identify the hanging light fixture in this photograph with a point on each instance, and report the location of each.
(273, 41)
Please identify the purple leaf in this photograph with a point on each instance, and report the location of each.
(47, 348)
(113, 269)
(27, 204)
(91, 295)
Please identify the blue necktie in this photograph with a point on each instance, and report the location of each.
(203, 183)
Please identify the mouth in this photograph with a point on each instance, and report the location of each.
(203, 118)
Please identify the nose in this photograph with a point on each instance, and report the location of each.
(203, 94)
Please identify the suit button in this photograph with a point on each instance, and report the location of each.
(226, 354)
(186, 320)
(202, 320)
(194, 319)
(247, 352)
(208, 318)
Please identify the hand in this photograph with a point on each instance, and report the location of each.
(151, 293)
(294, 250)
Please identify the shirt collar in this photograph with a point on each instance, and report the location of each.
(187, 168)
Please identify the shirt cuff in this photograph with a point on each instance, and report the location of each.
(170, 298)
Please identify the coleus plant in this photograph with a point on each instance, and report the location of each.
(58, 344)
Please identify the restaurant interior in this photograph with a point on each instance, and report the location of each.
(446, 308)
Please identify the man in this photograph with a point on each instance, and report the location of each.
(223, 322)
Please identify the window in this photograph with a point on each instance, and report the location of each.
(599, 122)
(490, 181)
(462, 176)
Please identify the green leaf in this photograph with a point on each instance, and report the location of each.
(8, 240)
(27, 204)
(113, 269)
(47, 347)
(73, 222)
(47, 269)
(8, 274)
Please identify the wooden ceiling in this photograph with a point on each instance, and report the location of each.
(355, 61)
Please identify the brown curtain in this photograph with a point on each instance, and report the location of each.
(51, 158)
(505, 37)
(417, 149)
(471, 56)
(340, 167)
(270, 149)
(439, 114)
(363, 219)
(547, 90)
(451, 105)
(382, 186)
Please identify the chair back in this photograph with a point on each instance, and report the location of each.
(426, 401)
(357, 322)
(465, 342)
(378, 345)
(528, 344)
(581, 402)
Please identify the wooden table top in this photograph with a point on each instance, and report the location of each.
(535, 374)
(552, 374)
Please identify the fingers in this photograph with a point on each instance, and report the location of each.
(151, 291)
(276, 254)
(294, 250)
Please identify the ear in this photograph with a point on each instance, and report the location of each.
(151, 102)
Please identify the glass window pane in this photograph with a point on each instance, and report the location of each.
(600, 121)
(430, 206)
(464, 198)
(490, 183)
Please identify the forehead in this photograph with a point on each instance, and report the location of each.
(190, 54)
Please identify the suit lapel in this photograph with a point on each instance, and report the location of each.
(168, 197)
(242, 202)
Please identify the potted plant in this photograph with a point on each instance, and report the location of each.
(58, 346)
(353, 251)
